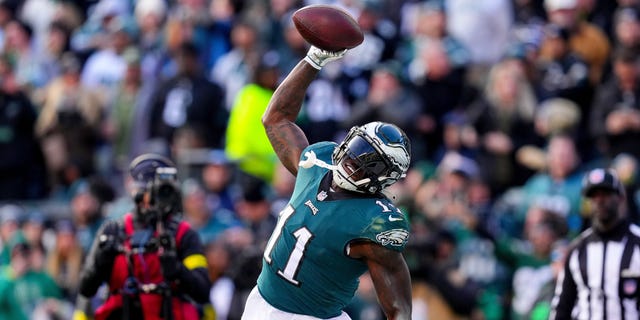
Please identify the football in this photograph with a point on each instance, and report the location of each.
(327, 27)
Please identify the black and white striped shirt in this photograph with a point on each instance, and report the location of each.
(601, 277)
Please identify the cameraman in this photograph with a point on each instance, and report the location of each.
(152, 261)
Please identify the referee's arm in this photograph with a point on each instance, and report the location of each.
(565, 294)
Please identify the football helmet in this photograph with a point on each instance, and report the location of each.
(371, 157)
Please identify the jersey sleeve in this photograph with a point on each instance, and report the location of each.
(388, 226)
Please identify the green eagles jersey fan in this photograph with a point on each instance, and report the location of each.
(306, 269)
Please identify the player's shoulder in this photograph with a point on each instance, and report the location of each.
(386, 223)
(321, 149)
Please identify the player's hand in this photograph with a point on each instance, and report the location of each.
(318, 58)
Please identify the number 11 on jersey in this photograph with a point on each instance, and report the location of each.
(302, 235)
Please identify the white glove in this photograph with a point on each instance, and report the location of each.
(318, 58)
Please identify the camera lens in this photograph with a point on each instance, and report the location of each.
(166, 191)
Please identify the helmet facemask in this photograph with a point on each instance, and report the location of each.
(371, 158)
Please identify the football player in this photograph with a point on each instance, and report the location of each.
(338, 223)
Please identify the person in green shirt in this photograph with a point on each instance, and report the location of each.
(24, 289)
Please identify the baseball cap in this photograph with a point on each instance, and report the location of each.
(551, 5)
(454, 162)
(601, 179)
(217, 157)
(11, 213)
(143, 168)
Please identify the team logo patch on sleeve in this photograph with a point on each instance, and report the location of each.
(394, 237)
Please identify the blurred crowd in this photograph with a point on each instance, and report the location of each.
(507, 104)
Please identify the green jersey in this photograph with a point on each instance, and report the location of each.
(306, 269)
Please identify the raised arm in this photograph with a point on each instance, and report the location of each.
(390, 276)
(287, 139)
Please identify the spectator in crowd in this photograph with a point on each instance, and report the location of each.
(529, 259)
(444, 196)
(222, 14)
(57, 43)
(559, 116)
(33, 228)
(325, 107)
(87, 202)
(8, 11)
(440, 90)
(188, 100)
(10, 215)
(457, 137)
(563, 74)
(628, 169)
(64, 260)
(246, 142)
(222, 289)
(444, 203)
(220, 182)
(69, 122)
(601, 13)
(105, 68)
(21, 160)
(615, 117)
(92, 34)
(378, 46)
(122, 116)
(558, 185)
(627, 28)
(389, 99)
(439, 290)
(207, 222)
(150, 16)
(254, 210)
(233, 70)
(606, 248)
(23, 289)
(542, 304)
(430, 24)
(585, 39)
(40, 15)
(503, 120)
(19, 47)
(483, 28)
(292, 47)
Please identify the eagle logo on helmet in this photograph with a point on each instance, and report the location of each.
(371, 157)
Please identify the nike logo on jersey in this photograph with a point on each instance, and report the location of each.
(392, 219)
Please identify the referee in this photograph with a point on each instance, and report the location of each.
(601, 275)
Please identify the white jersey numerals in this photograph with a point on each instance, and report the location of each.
(302, 235)
(387, 207)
